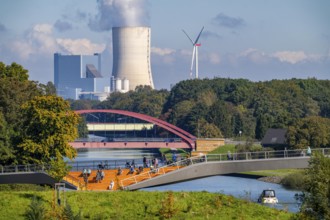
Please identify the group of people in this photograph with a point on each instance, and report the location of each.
(86, 173)
(99, 175)
(153, 162)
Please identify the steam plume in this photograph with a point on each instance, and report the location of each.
(120, 13)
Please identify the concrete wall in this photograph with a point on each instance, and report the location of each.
(209, 144)
(217, 168)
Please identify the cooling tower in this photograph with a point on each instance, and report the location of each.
(131, 55)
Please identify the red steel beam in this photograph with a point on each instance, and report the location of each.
(188, 138)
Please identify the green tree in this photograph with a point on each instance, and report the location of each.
(48, 89)
(83, 104)
(36, 210)
(143, 100)
(82, 128)
(317, 188)
(15, 89)
(312, 131)
(49, 126)
(208, 130)
(220, 113)
(13, 71)
(6, 151)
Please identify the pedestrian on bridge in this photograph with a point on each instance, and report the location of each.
(309, 151)
(229, 156)
(145, 162)
(111, 185)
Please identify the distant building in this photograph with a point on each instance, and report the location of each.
(80, 77)
(275, 138)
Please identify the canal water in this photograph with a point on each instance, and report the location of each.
(245, 188)
(239, 187)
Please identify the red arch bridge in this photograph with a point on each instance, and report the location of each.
(184, 140)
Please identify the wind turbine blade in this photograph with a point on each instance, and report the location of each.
(199, 36)
(188, 36)
(192, 61)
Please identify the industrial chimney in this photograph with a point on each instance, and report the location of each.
(131, 55)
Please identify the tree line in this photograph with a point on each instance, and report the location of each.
(223, 107)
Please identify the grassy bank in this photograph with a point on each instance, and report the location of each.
(139, 205)
(279, 173)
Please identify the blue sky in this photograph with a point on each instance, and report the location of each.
(256, 39)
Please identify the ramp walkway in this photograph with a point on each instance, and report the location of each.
(29, 174)
(210, 165)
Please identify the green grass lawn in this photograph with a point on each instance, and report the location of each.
(168, 153)
(223, 149)
(281, 172)
(139, 205)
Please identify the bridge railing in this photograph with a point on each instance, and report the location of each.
(260, 155)
(24, 168)
(161, 170)
(265, 155)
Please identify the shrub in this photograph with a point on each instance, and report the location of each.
(294, 181)
(36, 210)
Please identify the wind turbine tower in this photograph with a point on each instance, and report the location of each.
(195, 52)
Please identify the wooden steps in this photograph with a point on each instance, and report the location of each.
(112, 175)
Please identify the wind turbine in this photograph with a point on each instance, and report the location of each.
(195, 51)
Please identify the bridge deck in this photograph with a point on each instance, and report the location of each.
(128, 145)
(210, 165)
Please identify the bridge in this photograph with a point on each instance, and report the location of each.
(184, 140)
(29, 174)
(183, 170)
(211, 165)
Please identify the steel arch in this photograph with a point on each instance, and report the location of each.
(186, 137)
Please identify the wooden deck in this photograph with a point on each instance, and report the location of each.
(76, 178)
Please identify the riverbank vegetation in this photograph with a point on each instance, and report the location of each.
(132, 205)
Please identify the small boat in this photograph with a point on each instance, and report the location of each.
(268, 196)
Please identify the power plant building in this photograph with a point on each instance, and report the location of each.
(131, 57)
(79, 77)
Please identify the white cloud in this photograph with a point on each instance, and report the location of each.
(248, 51)
(38, 40)
(292, 57)
(162, 51)
(79, 46)
(43, 28)
(255, 55)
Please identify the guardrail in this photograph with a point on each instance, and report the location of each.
(74, 181)
(260, 155)
(24, 168)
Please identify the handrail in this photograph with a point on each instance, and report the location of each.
(207, 158)
(176, 165)
(24, 168)
(73, 180)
